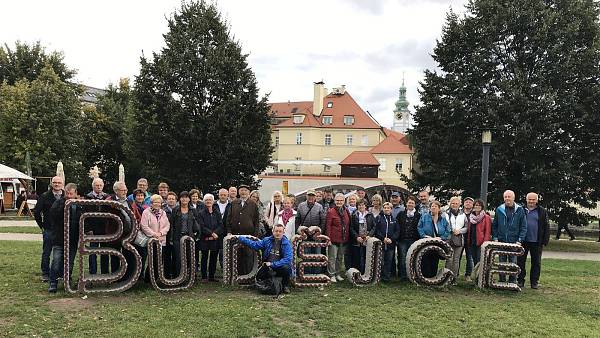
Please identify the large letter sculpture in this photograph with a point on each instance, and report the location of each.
(231, 249)
(317, 260)
(489, 266)
(414, 260)
(373, 265)
(111, 211)
(187, 274)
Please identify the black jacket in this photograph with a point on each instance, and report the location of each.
(57, 219)
(543, 225)
(408, 226)
(42, 209)
(211, 223)
(391, 225)
(354, 226)
(176, 230)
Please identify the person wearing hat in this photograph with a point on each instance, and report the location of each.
(243, 219)
(310, 213)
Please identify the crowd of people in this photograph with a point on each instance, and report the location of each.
(348, 220)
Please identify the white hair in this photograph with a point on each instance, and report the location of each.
(96, 180)
(208, 197)
(118, 184)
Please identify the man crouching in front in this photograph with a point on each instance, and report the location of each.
(277, 255)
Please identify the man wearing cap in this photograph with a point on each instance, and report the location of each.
(311, 213)
(243, 220)
(467, 208)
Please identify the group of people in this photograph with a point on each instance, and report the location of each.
(349, 221)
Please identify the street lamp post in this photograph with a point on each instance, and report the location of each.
(486, 141)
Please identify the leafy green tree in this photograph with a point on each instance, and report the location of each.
(198, 120)
(530, 71)
(104, 144)
(41, 117)
(27, 62)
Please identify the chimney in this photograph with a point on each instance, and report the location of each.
(319, 95)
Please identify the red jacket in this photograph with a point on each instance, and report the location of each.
(483, 231)
(333, 226)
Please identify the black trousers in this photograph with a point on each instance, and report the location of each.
(429, 264)
(209, 257)
(566, 227)
(283, 272)
(535, 250)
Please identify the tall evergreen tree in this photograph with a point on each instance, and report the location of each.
(529, 70)
(198, 120)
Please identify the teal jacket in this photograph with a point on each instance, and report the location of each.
(509, 232)
(425, 226)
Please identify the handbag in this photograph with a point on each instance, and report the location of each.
(456, 240)
(140, 238)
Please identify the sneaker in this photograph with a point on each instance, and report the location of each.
(286, 290)
(45, 279)
(52, 288)
(521, 284)
(340, 279)
(534, 286)
(468, 279)
(333, 280)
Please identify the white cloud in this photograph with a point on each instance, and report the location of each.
(366, 45)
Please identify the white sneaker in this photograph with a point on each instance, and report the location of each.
(333, 280)
(340, 279)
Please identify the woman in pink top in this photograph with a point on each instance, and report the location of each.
(155, 224)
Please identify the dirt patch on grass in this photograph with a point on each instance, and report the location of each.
(6, 321)
(305, 328)
(70, 304)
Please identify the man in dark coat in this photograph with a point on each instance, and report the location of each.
(42, 218)
(243, 219)
(538, 236)
(99, 227)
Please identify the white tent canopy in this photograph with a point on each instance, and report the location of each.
(8, 173)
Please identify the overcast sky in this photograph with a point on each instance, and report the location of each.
(365, 44)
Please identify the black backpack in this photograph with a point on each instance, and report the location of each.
(271, 285)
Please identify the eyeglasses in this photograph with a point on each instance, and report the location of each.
(56, 182)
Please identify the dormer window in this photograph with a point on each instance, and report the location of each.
(327, 119)
(329, 104)
(348, 120)
(298, 119)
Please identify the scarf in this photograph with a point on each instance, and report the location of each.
(156, 213)
(286, 215)
(454, 212)
(474, 219)
(410, 213)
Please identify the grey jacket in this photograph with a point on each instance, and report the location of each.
(316, 216)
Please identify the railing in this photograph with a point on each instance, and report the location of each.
(301, 174)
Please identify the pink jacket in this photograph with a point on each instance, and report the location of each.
(151, 226)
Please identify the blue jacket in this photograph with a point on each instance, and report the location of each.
(425, 226)
(266, 244)
(509, 233)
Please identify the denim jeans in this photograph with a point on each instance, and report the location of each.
(46, 251)
(388, 261)
(57, 267)
(403, 246)
(93, 262)
(469, 258)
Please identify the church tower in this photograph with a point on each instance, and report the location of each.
(401, 112)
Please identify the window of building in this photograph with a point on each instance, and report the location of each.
(277, 141)
(298, 166)
(329, 104)
(365, 140)
(327, 139)
(298, 138)
(348, 120)
(349, 139)
(327, 119)
(398, 165)
(382, 163)
(298, 119)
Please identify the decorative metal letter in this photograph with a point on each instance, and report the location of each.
(316, 260)
(231, 250)
(414, 260)
(373, 265)
(187, 275)
(489, 266)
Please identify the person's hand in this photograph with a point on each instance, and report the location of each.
(268, 264)
(456, 232)
(359, 239)
(387, 241)
(157, 236)
(215, 236)
(427, 236)
(229, 234)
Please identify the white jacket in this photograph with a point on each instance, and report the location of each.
(290, 227)
(457, 222)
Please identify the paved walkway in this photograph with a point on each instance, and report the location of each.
(547, 254)
(12, 223)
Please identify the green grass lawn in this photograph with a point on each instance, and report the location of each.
(573, 246)
(567, 304)
(21, 230)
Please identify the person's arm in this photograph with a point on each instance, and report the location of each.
(546, 227)
(396, 233)
(322, 219)
(204, 230)
(219, 229)
(487, 228)
(420, 228)
(286, 259)
(495, 226)
(522, 226)
(256, 245)
(164, 224)
(328, 222)
(228, 221)
(37, 212)
(448, 229)
(354, 226)
(371, 232)
(256, 221)
(464, 228)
